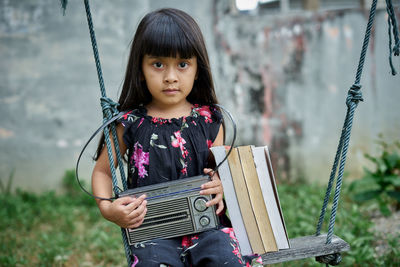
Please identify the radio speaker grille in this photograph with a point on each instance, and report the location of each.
(163, 220)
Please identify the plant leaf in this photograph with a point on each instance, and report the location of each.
(371, 158)
(367, 195)
(154, 136)
(394, 194)
(392, 179)
(392, 160)
(384, 209)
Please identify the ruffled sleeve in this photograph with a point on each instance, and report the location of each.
(131, 121)
(210, 119)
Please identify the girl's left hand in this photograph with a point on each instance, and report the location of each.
(214, 187)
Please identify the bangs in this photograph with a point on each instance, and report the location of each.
(164, 37)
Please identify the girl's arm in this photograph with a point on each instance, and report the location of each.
(127, 212)
(214, 187)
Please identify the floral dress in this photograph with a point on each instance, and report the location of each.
(161, 150)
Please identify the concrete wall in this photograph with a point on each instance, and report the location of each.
(290, 73)
(49, 92)
(284, 78)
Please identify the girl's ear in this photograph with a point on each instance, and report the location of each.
(142, 77)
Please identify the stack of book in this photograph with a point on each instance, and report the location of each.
(252, 199)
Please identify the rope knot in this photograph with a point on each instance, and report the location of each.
(331, 259)
(354, 94)
(108, 104)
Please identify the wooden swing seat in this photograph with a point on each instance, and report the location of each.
(306, 247)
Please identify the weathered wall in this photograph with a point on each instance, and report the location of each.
(289, 76)
(284, 79)
(49, 93)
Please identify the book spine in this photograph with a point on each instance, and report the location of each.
(256, 199)
(244, 203)
(231, 201)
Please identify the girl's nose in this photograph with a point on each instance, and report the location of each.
(170, 76)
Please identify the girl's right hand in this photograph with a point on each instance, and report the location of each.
(127, 212)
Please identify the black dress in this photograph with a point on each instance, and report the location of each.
(161, 150)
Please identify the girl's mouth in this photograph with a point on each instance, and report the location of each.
(170, 91)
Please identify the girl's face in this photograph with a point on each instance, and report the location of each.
(169, 79)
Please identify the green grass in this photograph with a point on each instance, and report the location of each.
(301, 206)
(51, 230)
(68, 230)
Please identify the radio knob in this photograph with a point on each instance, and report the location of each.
(200, 204)
(204, 221)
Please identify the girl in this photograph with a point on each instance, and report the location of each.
(166, 135)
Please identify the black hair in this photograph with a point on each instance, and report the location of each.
(165, 32)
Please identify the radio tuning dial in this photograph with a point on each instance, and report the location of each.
(200, 204)
(204, 221)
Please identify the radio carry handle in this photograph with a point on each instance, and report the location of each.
(119, 115)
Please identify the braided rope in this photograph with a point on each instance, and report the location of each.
(354, 96)
(392, 23)
(109, 108)
(352, 100)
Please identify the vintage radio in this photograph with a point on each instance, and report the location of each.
(174, 208)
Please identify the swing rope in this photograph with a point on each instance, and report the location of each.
(110, 109)
(354, 96)
(392, 23)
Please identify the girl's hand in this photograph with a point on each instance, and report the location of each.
(127, 212)
(214, 187)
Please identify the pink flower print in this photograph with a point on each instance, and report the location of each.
(184, 171)
(140, 123)
(186, 242)
(135, 261)
(140, 159)
(125, 116)
(229, 231)
(234, 242)
(209, 143)
(178, 141)
(205, 111)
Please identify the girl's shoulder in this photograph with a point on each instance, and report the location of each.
(131, 116)
(206, 113)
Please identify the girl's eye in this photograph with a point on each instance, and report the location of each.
(158, 65)
(183, 65)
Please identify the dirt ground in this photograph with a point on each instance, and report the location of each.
(385, 226)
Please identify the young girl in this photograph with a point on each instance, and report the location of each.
(171, 124)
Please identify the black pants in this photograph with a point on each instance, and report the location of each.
(212, 248)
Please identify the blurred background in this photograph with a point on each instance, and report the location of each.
(282, 67)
